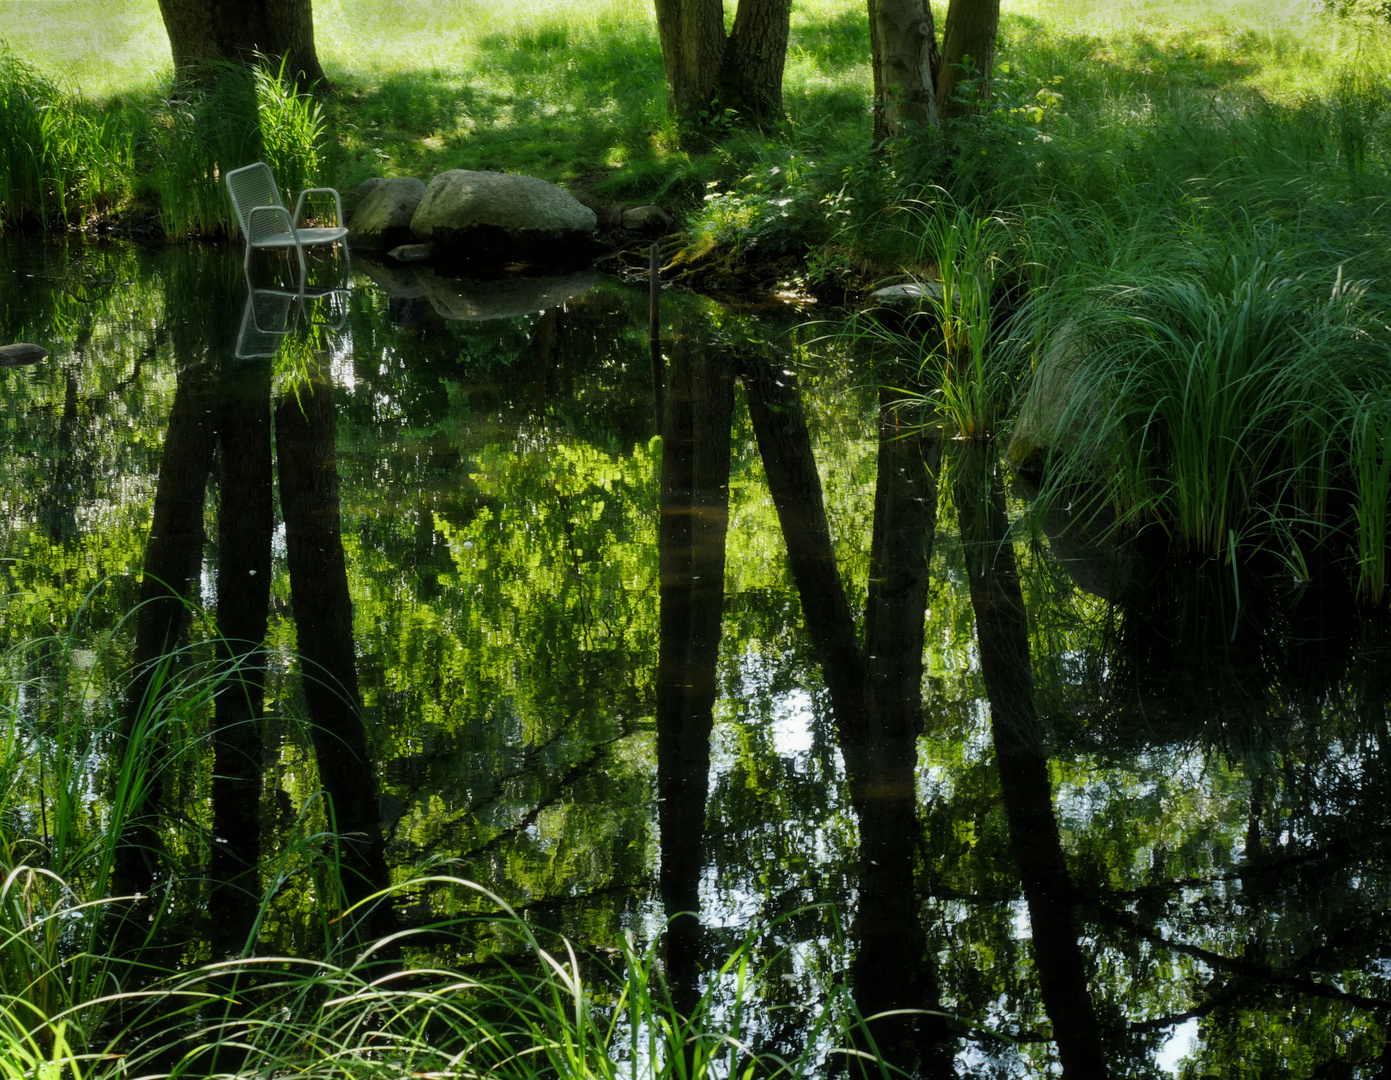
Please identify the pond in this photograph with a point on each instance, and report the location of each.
(786, 662)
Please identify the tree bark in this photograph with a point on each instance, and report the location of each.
(693, 43)
(210, 31)
(710, 73)
(903, 44)
(968, 41)
(750, 79)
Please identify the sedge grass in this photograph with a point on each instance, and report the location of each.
(61, 159)
(1371, 477)
(1212, 402)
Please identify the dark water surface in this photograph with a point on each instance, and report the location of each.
(794, 665)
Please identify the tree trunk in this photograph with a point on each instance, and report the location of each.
(693, 43)
(876, 696)
(893, 972)
(691, 531)
(750, 79)
(968, 42)
(245, 522)
(173, 554)
(784, 446)
(208, 31)
(709, 73)
(903, 43)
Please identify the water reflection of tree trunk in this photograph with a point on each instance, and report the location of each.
(58, 504)
(784, 444)
(173, 555)
(308, 471)
(693, 521)
(245, 524)
(876, 696)
(1003, 634)
(887, 923)
(545, 333)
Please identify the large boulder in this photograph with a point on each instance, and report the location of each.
(383, 219)
(489, 217)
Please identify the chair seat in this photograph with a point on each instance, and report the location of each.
(307, 237)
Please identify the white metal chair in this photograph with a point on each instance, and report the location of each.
(266, 223)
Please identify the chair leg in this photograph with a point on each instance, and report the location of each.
(303, 268)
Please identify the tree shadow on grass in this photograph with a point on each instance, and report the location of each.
(580, 104)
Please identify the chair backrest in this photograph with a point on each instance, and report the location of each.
(252, 185)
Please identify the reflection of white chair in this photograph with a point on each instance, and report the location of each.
(271, 315)
(266, 223)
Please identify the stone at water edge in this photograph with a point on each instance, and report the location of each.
(383, 219)
(353, 199)
(911, 295)
(490, 217)
(21, 353)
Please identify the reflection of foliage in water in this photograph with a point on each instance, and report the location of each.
(499, 498)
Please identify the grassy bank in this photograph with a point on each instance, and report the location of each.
(578, 97)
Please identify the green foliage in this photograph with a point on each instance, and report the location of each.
(1221, 401)
(974, 384)
(61, 159)
(1370, 10)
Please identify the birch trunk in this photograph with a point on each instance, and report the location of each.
(903, 41)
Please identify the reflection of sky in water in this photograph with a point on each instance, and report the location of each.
(791, 726)
(1179, 1045)
(1177, 797)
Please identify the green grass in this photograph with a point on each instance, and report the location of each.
(541, 1011)
(61, 159)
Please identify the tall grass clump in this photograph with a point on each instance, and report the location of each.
(946, 331)
(1216, 401)
(968, 249)
(536, 1011)
(235, 116)
(61, 159)
(539, 1010)
(1371, 479)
